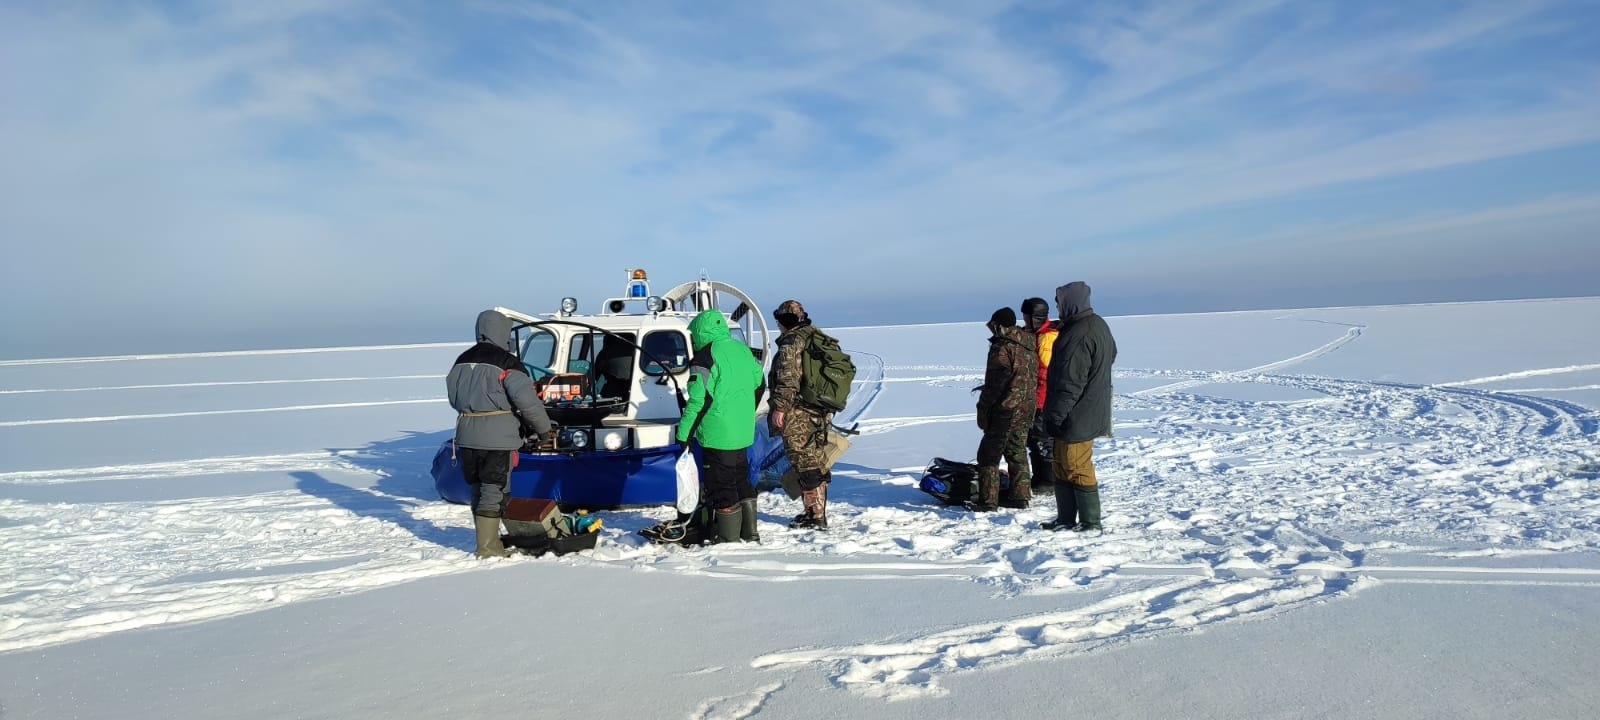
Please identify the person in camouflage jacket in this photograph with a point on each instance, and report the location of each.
(1006, 407)
(804, 428)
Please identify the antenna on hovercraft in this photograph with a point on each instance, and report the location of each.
(705, 295)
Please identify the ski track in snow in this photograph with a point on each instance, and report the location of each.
(737, 707)
(340, 460)
(1349, 335)
(1217, 509)
(219, 383)
(911, 668)
(1541, 372)
(200, 413)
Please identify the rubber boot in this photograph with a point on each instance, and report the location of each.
(489, 544)
(748, 531)
(730, 520)
(808, 498)
(1043, 475)
(816, 502)
(1088, 510)
(822, 502)
(1066, 509)
(816, 515)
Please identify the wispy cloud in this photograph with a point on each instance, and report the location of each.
(336, 158)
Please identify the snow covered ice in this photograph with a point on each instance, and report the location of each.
(1333, 471)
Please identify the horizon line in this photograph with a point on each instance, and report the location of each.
(418, 346)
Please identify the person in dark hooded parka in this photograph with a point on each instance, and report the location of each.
(1077, 407)
(497, 406)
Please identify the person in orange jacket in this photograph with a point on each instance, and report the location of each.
(1036, 320)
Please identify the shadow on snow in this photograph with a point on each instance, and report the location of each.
(404, 484)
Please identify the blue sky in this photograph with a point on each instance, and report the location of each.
(212, 175)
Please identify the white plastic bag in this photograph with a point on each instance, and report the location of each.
(688, 482)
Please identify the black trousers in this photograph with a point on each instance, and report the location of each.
(725, 477)
(489, 474)
(1040, 455)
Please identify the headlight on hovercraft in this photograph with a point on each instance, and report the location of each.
(569, 305)
(573, 438)
(611, 438)
(654, 303)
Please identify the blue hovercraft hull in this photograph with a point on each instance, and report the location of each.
(603, 479)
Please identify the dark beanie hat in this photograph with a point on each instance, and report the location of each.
(1004, 317)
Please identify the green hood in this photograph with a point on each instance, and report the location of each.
(708, 327)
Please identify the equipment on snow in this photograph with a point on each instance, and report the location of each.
(536, 526)
(956, 483)
(693, 528)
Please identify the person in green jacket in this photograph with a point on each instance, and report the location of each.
(725, 386)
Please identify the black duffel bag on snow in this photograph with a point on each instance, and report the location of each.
(955, 483)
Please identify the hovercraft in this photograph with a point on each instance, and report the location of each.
(612, 383)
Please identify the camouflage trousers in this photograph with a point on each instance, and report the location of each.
(805, 436)
(1005, 435)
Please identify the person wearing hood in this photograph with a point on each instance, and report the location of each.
(725, 386)
(497, 406)
(1006, 407)
(1036, 320)
(1077, 407)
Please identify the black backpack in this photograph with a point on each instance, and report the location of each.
(954, 483)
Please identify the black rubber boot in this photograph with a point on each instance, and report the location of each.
(1088, 510)
(1043, 476)
(488, 529)
(748, 531)
(1066, 509)
(729, 522)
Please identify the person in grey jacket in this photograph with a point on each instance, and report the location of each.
(1077, 407)
(496, 405)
